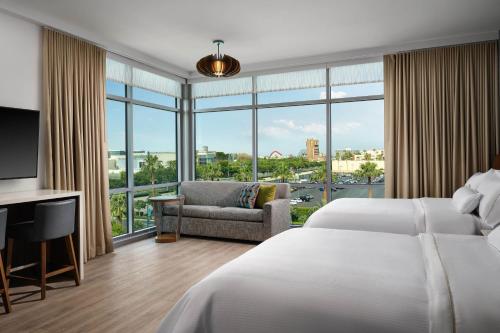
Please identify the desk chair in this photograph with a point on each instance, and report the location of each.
(52, 220)
(4, 287)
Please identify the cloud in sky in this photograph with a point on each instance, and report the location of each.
(335, 94)
(345, 127)
(275, 132)
(283, 128)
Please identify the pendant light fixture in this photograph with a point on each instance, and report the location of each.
(218, 65)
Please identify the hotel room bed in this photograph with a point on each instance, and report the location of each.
(401, 216)
(321, 280)
(474, 206)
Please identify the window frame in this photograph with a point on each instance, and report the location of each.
(328, 101)
(131, 188)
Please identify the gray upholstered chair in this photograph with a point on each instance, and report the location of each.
(52, 220)
(4, 287)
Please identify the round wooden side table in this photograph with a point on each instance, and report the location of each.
(158, 203)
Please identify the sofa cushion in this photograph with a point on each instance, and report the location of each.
(248, 195)
(191, 211)
(237, 214)
(222, 193)
(266, 193)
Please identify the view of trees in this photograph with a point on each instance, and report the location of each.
(162, 174)
(118, 205)
(240, 168)
(152, 172)
(367, 171)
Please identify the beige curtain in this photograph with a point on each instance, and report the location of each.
(74, 99)
(441, 118)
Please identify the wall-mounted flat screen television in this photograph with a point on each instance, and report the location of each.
(18, 143)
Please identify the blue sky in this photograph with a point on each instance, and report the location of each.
(356, 125)
(154, 130)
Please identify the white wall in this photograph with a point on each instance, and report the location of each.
(21, 83)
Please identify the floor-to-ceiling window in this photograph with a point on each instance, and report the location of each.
(224, 145)
(321, 130)
(357, 131)
(223, 130)
(142, 131)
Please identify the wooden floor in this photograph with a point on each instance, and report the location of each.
(129, 290)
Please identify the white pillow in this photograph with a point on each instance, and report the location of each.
(474, 180)
(494, 238)
(466, 200)
(489, 206)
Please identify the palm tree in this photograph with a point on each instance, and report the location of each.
(244, 173)
(151, 166)
(119, 207)
(319, 175)
(283, 172)
(211, 171)
(368, 171)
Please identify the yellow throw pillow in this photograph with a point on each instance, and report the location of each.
(266, 194)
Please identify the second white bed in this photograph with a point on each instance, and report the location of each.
(401, 216)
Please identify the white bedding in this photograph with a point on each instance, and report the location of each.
(319, 280)
(402, 216)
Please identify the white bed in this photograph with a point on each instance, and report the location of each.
(402, 216)
(320, 280)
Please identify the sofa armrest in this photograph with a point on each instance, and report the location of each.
(276, 217)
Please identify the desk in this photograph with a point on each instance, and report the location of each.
(21, 208)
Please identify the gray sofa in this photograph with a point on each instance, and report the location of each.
(210, 209)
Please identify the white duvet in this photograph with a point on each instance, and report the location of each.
(319, 280)
(402, 216)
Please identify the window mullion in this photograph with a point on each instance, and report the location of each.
(255, 147)
(130, 160)
(328, 138)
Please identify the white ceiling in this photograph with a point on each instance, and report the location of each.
(174, 34)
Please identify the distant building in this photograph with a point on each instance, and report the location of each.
(276, 154)
(370, 154)
(117, 159)
(312, 150)
(205, 156)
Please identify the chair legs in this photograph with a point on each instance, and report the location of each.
(10, 247)
(43, 267)
(43, 264)
(72, 258)
(4, 288)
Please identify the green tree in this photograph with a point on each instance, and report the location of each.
(244, 173)
(348, 155)
(368, 157)
(118, 213)
(368, 171)
(151, 166)
(211, 171)
(221, 156)
(283, 172)
(319, 175)
(139, 205)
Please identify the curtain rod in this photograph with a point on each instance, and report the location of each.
(113, 52)
(452, 45)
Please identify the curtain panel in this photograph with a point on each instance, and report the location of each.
(74, 79)
(441, 118)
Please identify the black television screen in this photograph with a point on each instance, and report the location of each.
(18, 143)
